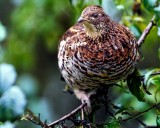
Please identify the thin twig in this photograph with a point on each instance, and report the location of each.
(82, 115)
(142, 123)
(141, 113)
(67, 116)
(146, 31)
(39, 122)
(156, 73)
(153, 74)
(126, 112)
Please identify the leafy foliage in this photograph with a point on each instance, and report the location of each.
(149, 4)
(154, 80)
(12, 99)
(5, 83)
(12, 106)
(158, 121)
(2, 32)
(135, 85)
(113, 123)
(29, 42)
(7, 125)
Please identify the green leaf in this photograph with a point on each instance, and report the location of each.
(157, 11)
(154, 79)
(159, 48)
(7, 124)
(100, 2)
(113, 123)
(76, 3)
(157, 94)
(3, 32)
(135, 30)
(138, 19)
(158, 121)
(123, 109)
(149, 4)
(135, 86)
(147, 76)
(158, 33)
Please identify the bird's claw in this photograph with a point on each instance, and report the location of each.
(87, 108)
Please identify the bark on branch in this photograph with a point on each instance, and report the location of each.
(146, 31)
(68, 115)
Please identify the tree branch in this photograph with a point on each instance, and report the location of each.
(146, 31)
(142, 123)
(156, 73)
(68, 115)
(34, 119)
(141, 113)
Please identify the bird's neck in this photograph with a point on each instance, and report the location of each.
(91, 31)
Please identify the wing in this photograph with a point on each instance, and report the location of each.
(68, 42)
(72, 32)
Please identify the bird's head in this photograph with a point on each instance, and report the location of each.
(94, 20)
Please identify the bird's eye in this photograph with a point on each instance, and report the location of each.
(95, 15)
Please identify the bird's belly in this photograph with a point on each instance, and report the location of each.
(82, 74)
(89, 66)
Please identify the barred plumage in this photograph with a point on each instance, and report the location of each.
(96, 51)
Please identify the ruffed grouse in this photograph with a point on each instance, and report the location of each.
(96, 51)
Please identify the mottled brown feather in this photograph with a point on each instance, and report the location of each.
(96, 51)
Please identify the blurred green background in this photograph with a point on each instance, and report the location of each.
(30, 31)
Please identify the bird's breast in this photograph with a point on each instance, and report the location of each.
(103, 60)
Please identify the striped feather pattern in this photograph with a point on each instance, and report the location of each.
(87, 62)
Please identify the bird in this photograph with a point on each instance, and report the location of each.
(96, 51)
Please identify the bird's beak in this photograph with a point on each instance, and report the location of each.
(86, 23)
(80, 19)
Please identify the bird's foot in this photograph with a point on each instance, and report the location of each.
(88, 108)
(85, 98)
